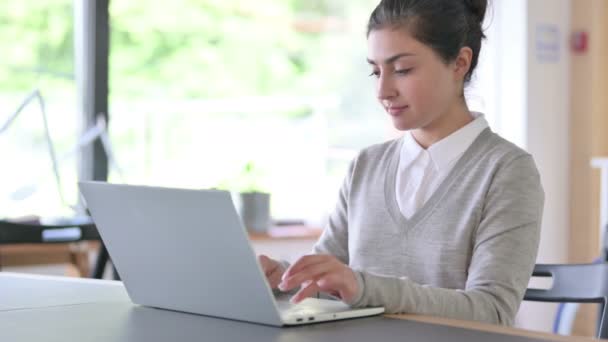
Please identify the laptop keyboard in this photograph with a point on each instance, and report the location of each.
(310, 307)
(285, 307)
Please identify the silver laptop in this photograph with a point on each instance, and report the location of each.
(187, 250)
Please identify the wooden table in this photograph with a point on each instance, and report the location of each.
(76, 255)
(493, 328)
(30, 240)
(279, 233)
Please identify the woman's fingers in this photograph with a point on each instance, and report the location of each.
(272, 270)
(274, 279)
(309, 289)
(342, 284)
(329, 282)
(309, 273)
(313, 273)
(268, 265)
(304, 262)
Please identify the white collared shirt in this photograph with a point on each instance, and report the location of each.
(422, 171)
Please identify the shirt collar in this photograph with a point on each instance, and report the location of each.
(448, 149)
(410, 150)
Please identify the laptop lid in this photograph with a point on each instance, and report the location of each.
(183, 250)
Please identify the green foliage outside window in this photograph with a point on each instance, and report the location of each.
(185, 49)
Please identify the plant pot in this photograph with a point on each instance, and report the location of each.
(255, 211)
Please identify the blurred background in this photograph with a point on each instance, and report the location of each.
(274, 96)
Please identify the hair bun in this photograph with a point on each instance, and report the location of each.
(477, 8)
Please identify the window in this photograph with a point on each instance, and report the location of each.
(36, 40)
(197, 95)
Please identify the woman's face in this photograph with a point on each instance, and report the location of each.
(412, 83)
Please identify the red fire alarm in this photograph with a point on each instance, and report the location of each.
(580, 41)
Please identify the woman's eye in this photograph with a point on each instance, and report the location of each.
(403, 71)
(375, 73)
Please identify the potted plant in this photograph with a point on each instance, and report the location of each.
(253, 202)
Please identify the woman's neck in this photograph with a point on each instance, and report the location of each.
(444, 125)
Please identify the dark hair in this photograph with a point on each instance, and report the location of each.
(444, 25)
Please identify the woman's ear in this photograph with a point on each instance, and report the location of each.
(462, 64)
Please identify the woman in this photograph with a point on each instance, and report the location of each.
(444, 221)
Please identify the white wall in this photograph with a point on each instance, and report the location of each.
(547, 130)
(547, 119)
(507, 34)
(524, 75)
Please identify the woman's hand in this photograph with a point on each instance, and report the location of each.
(272, 269)
(322, 273)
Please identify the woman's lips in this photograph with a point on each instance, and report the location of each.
(396, 111)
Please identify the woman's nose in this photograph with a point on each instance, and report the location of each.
(385, 88)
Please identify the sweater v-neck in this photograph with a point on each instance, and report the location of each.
(421, 214)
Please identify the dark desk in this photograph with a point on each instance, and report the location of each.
(36, 308)
(56, 231)
(25, 238)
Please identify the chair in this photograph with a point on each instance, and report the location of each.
(575, 283)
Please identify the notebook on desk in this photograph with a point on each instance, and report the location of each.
(187, 250)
